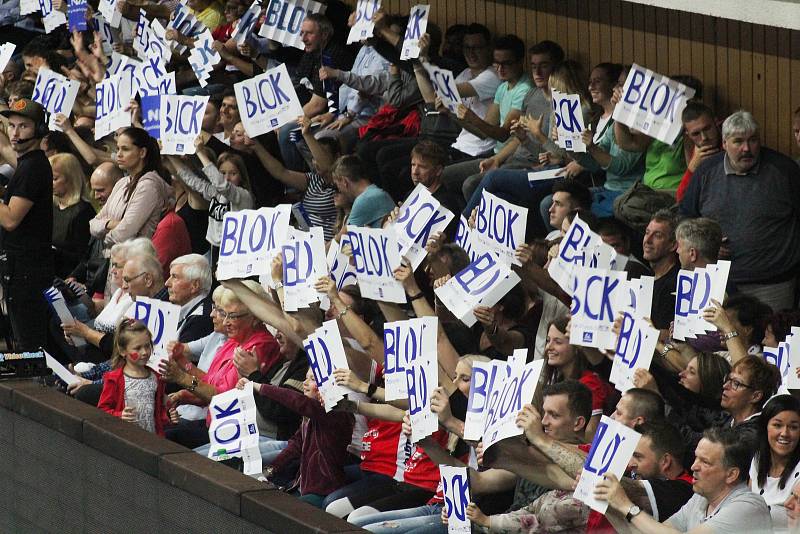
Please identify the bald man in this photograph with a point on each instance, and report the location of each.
(103, 179)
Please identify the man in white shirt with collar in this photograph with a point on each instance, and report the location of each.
(189, 284)
(722, 502)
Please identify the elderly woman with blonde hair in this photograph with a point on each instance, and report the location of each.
(247, 337)
(71, 213)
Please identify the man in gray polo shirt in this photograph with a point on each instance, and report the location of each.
(723, 502)
(754, 194)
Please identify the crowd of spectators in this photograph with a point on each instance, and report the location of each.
(113, 220)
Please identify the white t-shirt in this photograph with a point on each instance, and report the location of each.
(774, 496)
(485, 84)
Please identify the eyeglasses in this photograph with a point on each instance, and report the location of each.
(129, 280)
(230, 316)
(735, 384)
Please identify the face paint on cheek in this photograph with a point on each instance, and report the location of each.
(134, 356)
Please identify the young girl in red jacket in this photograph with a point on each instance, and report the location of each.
(132, 391)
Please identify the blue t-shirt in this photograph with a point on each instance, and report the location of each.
(508, 99)
(370, 207)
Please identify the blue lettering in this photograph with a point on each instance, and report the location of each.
(236, 434)
(480, 387)
(223, 412)
(608, 453)
(474, 271)
(229, 227)
(637, 80)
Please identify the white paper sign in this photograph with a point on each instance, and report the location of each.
(549, 174)
(514, 390)
(185, 23)
(694, 292)
(108, 35)
(6, 51)
(482, 283)
(56, 301)
(26, 7)
(612, 448)
(112, 15)
(325, 353)
(634, 350)
(455, 483)
(152, 77)
(112, 97)
(480, 387)
(180, 121)
(402, 341)
(161, 318)
(246, 23)
(444, 83)
(303, 264)
(267, 102)
(375, 254)
(419, 217)
(60, 371)
(56, 94)
(422, 377)
(249, 239)
(150, 41)
(652, 104)
(569, 121)
(203, 57)
(363, 28)
(581, 247)
(500, 227)
(284, 18)
(51, 18)
(341, 270)
(598, 296)
(782, 358)
(233, 431)
(640, 291)
(417, 24)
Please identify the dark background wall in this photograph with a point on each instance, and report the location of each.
(67, 467)
(742, 65)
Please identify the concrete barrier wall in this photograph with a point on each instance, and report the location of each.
(67, 467)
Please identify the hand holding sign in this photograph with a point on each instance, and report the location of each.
(612, 448)
(652, 104)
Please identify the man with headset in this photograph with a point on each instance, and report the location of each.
(26, 218)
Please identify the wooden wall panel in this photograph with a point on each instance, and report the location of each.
(741, 65)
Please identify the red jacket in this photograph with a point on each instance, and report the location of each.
(112, 399)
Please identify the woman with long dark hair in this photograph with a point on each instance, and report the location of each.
(775, 468)
(139, 200)
(564, 362)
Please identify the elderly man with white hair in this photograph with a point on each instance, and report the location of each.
(753, 192)
(189, 286)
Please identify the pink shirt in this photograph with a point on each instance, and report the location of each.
(222, 374)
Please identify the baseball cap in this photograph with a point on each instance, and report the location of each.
(26, 108)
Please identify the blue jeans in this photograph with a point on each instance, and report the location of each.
(405, 520)
(512, 185)
(268, 447)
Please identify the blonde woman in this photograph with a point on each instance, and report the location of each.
(71, 213)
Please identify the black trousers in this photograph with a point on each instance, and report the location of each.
(26, 275)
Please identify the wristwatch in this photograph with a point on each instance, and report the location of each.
(632, 512)
(730, 335)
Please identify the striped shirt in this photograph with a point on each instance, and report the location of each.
(318, 204)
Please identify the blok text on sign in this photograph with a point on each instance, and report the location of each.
(249, 240)
(653, 104)
(267, 102)
(417, 24)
